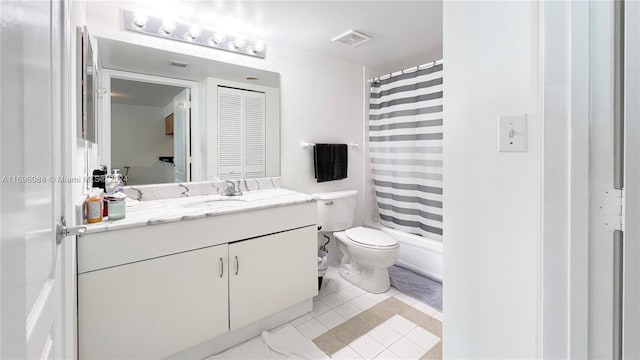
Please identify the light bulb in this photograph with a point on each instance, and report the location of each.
(193, 33)
(168, 26)
(239, 42)
(216, 39)
(140, 19)
(258, 46)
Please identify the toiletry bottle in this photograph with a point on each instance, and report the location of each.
(117, 206)
(94, 206)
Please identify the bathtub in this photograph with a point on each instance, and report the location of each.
(417, 253)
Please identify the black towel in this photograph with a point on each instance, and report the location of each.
(330, 161)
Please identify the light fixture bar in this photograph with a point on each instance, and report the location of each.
(164, 28)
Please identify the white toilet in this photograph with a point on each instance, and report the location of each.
(367, 253)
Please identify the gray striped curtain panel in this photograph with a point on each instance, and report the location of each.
(405, 138)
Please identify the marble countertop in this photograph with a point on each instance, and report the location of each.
(150, 212)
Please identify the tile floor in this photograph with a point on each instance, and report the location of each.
(350, 323)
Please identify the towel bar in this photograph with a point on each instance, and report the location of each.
(307, 144)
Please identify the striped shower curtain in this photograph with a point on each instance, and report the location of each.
(405, 137)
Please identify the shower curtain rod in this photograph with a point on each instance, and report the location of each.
(405, 71)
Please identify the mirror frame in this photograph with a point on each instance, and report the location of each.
(83, 42)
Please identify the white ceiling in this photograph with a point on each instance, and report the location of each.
(400, 29)
(142, 93)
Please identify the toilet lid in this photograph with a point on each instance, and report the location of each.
(370, 237)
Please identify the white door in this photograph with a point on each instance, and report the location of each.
(229, 134)
(254, 135)
(241, 134)
(31, 202)
(181, 134)
(276, 278)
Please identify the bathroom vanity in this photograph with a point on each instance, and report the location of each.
(192, 275)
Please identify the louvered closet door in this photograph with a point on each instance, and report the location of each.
(254, 135)
(241, 134)
(230, 139)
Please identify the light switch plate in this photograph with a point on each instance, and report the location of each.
(513, 133)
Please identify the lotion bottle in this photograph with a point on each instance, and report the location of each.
(93, 206)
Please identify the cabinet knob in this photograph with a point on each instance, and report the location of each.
(221, 267)
(237, 265)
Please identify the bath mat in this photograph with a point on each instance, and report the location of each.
(283, 344)
(417, 286)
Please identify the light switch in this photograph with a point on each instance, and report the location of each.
(513, 133)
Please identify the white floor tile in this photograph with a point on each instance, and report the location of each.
(387, 355)
(363, 302)
(438, 316)
(301, 320)
(324, 291)
(350, 292)
(289, 330)
(422, 338)
(405, 298)
(280, 327)
(424, 308)
(348, 310)
(346, 353)
(400, 324)
(377, 297)
(319, 308)
(311, 329)
(330, 319)
(335, 284)
(333, 300)
(385, 335)
(405, 349)
(392, 291)
(332, 273)
(367, 346)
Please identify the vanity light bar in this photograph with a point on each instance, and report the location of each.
(164, 28)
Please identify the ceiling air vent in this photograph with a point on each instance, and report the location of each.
(178, 64)
(352, 38)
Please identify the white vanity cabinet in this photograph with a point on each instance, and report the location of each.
(156, 291)
(153, 308)
(269, 274)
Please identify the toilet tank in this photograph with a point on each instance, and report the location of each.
(336, 210)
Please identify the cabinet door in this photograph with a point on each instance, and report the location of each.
(153, 308)
(271, 273)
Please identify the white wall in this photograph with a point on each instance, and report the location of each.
(321, 98)
(492, 206)
(137, 140)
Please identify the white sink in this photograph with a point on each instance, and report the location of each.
(217, 202)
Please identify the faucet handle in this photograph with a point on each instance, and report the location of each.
(230, 189)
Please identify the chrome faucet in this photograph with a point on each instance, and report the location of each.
(230, 189)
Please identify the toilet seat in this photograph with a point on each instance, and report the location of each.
(371, 238)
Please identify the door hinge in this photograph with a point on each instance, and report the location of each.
(613, 209)
(62, 230)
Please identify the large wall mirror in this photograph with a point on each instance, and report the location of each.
(170, 117)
